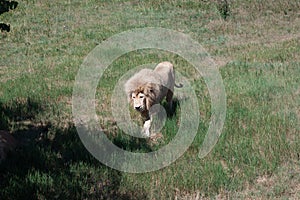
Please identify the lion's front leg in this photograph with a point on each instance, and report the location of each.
(146, 128)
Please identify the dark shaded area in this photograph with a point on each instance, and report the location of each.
(51, 162)
(6, 6)
(171, 112)
(224, 8)
(4, 27)
(19, 109)
(4, 119)
(132, 144)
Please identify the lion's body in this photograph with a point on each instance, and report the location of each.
(148, 87)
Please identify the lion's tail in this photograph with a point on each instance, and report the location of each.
(179, 86)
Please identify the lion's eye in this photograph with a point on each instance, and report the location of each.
(133, 97)
(141, 97)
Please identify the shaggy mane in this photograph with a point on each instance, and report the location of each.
(143, 77)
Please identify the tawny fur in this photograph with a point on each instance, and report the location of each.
(154, 84)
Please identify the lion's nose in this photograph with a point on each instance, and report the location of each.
(137, 107)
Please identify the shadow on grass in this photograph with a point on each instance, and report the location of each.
(6, 6)
(132, 144)
(51, 162)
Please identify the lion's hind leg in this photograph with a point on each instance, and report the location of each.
(169, 99)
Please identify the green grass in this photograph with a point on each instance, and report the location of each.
(255, 44)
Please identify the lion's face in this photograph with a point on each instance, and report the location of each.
(139, 101)
(143, 97)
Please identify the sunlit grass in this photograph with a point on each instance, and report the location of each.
(260, 140)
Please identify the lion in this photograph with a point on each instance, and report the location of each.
(149, 87)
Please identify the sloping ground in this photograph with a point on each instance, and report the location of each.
(255, 44)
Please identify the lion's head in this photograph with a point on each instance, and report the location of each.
(143, 97)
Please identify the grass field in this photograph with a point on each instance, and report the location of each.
(256, 46)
